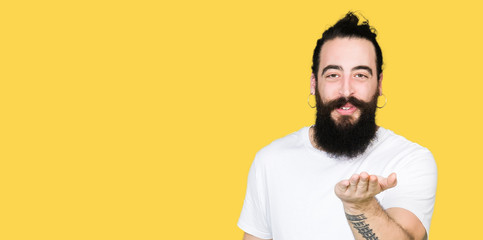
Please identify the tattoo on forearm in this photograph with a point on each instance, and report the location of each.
(361, 226)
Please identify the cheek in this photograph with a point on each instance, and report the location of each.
(327, 92)
(370, 93)
(366, 92)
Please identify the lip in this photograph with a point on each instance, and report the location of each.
(349, 111)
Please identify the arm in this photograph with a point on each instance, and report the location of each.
(247, 236)
(366, 217)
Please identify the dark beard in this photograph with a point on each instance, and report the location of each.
(344, 138)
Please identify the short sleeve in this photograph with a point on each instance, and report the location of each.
(416, 187)
(254, 218)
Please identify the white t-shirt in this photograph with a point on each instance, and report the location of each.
(290, 193)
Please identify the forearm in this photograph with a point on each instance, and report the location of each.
(371, 222)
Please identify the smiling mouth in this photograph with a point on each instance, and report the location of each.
(346, 109)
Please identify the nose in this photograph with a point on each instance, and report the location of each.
(346, 89)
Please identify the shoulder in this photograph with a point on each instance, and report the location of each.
(397, 141)
(405, 151)
(283, 146)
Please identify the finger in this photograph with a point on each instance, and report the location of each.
(353, 182)
(363, 182)
(342, 186)
(374, 187)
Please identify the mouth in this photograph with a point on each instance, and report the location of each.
(347, 109)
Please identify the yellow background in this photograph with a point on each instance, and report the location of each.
(140, 119)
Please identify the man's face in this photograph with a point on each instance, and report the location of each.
(347, 69)
(346, 92)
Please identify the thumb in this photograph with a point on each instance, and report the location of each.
(389, 182)
(392, 180)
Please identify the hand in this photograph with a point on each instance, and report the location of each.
(360, 189)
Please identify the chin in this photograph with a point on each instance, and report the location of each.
(345, 120)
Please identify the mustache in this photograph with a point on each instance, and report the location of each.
(339, 102)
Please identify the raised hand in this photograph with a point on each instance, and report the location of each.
(359, 190)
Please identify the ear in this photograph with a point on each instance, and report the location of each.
(313, 84)
(379, 84)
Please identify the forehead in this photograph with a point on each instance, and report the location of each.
(348, 53)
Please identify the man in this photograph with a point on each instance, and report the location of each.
(344, 177)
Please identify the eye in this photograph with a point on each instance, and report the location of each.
(332, 75)
(360, 75)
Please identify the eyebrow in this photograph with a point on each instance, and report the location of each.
(363, 67)
(337, 67)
